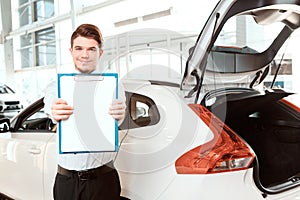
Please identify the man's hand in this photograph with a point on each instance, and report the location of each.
(61, 110)
(117, 109)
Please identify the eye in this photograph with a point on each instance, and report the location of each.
(93, 49)
(77, 48)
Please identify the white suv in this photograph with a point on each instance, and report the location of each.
(9, 101)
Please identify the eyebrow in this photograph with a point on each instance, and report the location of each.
(92, 47)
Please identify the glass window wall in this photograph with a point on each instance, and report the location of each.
(36, 48)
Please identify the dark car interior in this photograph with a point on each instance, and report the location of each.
(33, 119)
(40, 124)
(268, 124)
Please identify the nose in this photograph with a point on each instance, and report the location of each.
(85, 53)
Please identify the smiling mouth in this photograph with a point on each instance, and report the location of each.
(83, 61)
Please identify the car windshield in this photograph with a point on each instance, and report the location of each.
(5, 90)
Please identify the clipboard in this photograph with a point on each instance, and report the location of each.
(90, 128)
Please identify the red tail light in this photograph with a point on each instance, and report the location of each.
(225, 152)
(288, 103)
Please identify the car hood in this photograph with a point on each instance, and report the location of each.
(8, 97)
(246, 61)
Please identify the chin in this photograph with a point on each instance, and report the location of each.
(86, 70)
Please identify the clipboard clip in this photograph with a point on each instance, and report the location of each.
(85, 78)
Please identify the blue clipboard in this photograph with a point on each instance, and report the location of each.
(90, 128)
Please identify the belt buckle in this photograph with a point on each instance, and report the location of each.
(85, 175)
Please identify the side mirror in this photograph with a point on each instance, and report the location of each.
(4, 125)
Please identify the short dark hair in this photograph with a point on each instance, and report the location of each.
(88, 31)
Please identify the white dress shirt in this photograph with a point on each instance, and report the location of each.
(78, 161)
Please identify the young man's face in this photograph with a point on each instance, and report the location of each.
(86, 54)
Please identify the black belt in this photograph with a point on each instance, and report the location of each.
(86, 174)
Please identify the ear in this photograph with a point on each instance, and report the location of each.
(100, 52)
(71, 50)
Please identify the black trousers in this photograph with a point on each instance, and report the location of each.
(105, 186)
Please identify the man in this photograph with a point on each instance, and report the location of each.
(101, 180)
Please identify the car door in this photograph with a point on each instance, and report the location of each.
(22, 165)
(22, 155)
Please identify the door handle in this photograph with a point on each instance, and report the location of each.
(34, 151)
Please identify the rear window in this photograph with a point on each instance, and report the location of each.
(141, 111)
(255, 38)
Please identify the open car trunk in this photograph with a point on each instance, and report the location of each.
(270, 125)
(239, 52)
(232, 62)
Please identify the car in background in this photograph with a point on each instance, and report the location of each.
(223, 132)
(10, 102)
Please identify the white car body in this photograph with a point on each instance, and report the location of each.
(171, 151)
(145, 162)
(146, 157)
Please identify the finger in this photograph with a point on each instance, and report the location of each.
(60, 101)
(60, 117)
(117, 101)
(118, 116)
(62, 107)
(117, 105)
(62, 112)
(117, 113)
(60, 104)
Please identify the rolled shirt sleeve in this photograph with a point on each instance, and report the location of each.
(50, 96)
